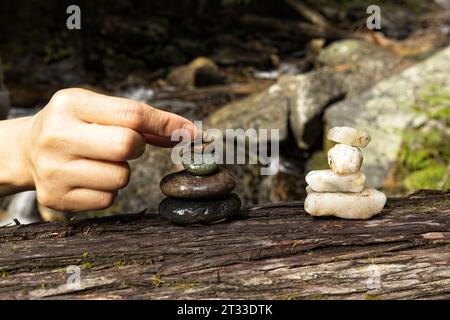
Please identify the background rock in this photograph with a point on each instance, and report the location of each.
(199, 72)
(265, 110)
(308, 95)
(346, 68)
(392, 106)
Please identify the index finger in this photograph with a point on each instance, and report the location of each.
(106, 110)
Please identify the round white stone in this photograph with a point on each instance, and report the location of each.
(328, 181)
(362, 205)
(344, 159)
(350, 136)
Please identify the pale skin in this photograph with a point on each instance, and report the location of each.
(74, 152)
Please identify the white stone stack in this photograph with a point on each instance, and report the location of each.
(341, 191)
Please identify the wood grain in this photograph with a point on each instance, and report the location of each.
(271, 252)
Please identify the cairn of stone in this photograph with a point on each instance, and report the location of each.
(340, 191)
(200, 194)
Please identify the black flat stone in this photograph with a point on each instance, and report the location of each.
(184, 212)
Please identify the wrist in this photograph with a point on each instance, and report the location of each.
(15, 173)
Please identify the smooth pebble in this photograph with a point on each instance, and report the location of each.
(201, 164)
(362, 205)
(344, 159)
(184, 212)
(350, 136)
(328, 181)
(184, 185)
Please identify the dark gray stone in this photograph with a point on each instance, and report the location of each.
(185, 212)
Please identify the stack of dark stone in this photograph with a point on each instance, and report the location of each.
(200, 194)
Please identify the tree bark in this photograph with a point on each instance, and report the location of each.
(274, 251)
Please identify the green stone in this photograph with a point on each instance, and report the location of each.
(201, 164)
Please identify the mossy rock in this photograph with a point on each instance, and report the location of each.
(407, 116)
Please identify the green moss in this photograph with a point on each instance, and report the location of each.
(86, 265)
(428, 178)
(372, 297)
(417, 160)
(120, 263)
(183, 284)
(115, 209)
(288, 296)
(318, 297)
(435, 103)
(156, 281)
(85, 255)
(3, 274)
(443, 113)
(424, 160)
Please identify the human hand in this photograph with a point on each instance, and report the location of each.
(80, 142)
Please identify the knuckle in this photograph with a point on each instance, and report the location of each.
(53, 133)
(62, 98)
(133, 115)
(69, 201)
(45, 171)
(162, 125)
(45, 197)
(121, 176)
(50, 138)
(126, 145)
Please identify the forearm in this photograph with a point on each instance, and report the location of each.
(14, 172)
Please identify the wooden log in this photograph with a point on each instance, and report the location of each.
(308, 13)
(194, 94)
(272, 251)
(306, 29)
(318, 26)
